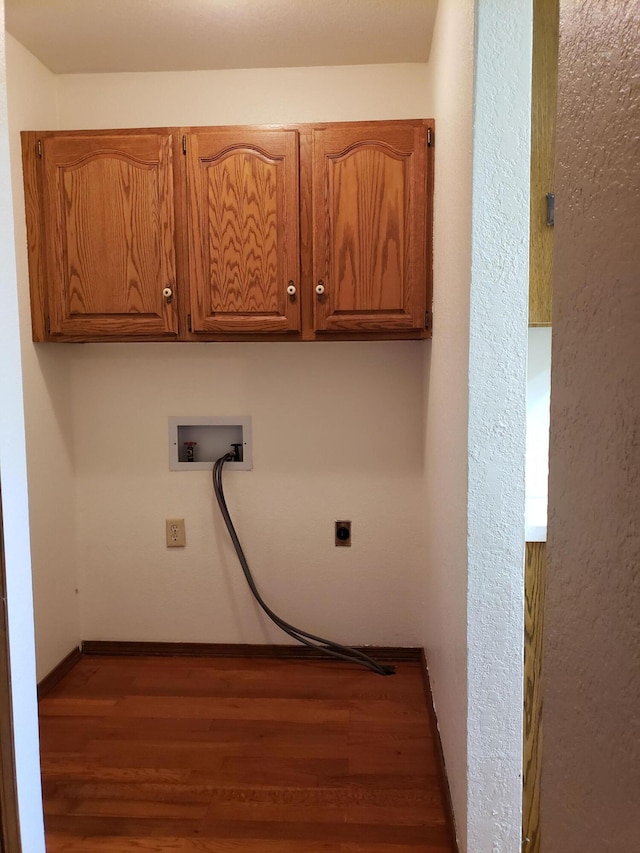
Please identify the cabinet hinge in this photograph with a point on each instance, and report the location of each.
(189, 322)
(39, 148)
(184, 143)
(428, 320)
(429, 137)
(48, 325)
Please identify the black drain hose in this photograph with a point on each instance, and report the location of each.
(336, 650)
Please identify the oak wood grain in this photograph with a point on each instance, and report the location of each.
(33, 197)
(243, 221)
(109, 233)
(543, 122)
(369, 227)
(241, 231)
(230, 754)
(532, 756)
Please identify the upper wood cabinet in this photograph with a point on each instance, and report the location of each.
(243, 231)
(297, 233)
(108, 235)
(369, 234)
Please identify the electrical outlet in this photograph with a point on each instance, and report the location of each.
(343, 533)
(176, 536)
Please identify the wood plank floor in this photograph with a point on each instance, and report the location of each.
(192, 755)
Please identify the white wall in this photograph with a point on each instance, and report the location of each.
(591, 663)
(444, 629)
(336, 433)
(538, 399)
(497, 421)
(246, 96)
(337, 426)
(31, 90)
(15, 513)
(475, 412)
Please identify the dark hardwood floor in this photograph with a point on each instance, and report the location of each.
(193, 755)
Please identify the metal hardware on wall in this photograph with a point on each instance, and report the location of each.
(551, 208)
(196, 442)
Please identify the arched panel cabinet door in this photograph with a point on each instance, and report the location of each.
(369, 228)
(243, 231)
(109, 233)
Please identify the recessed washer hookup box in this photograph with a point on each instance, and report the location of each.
(195, 443)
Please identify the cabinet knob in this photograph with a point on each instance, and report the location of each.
(168, 294)
(291, 290)
(320, 288)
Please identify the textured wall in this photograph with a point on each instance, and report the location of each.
(497, 421)
(444, 627)
(31, 90)
(591, 762)
(475, 411)
(19, 602)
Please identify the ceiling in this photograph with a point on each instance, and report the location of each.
(84, 36)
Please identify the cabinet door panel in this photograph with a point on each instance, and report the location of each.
(369, 228)
(243, 231)
(110, 234)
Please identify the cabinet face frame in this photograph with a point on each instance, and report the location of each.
(69, 275)
(305, 297)
(243, 250)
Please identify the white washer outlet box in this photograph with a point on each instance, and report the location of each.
(196, 442)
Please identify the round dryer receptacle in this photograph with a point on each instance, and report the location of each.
(343, 533)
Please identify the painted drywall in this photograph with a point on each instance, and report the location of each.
(192, 35)
(444, 621)
(31, 91)
(538, 401)
(590, 764)
(246, 96)
(336, 434)
(337, 426)
(13, 473)
(497, 422)
(475, 411)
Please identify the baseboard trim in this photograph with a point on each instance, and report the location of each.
(240, 650)
(46, 685)
(442, 770)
